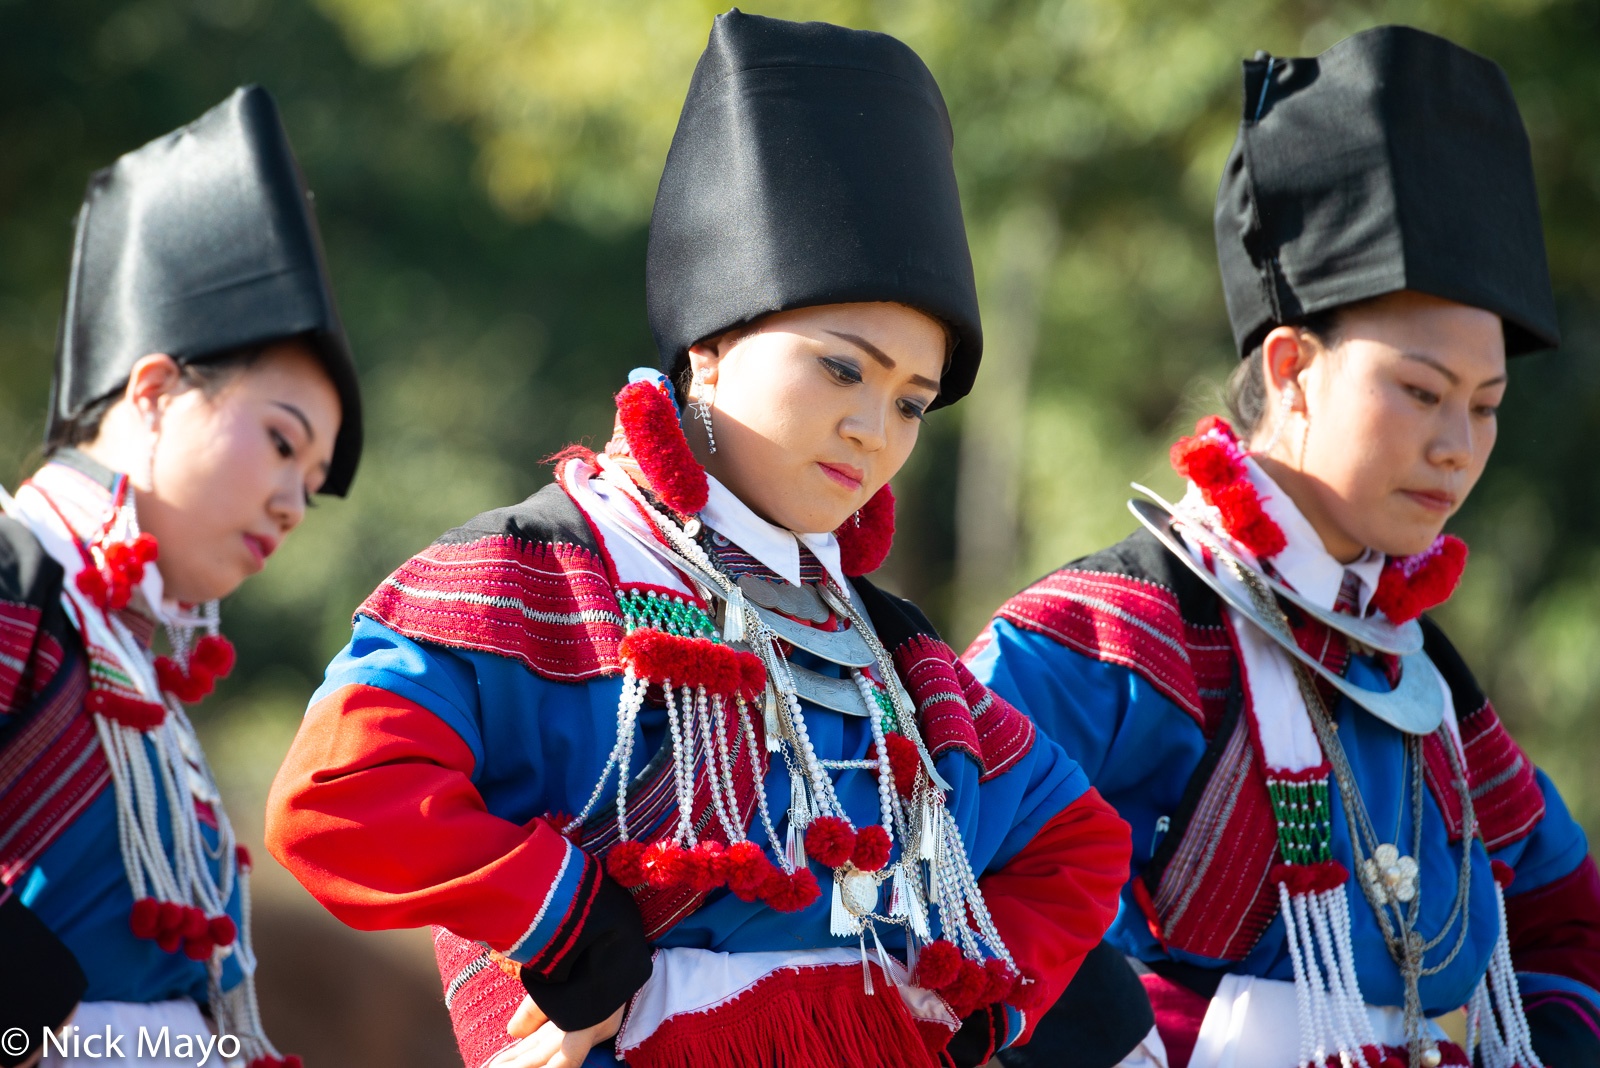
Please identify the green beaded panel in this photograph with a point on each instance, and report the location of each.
(891, 722)
(1304, 821)
(664, 612)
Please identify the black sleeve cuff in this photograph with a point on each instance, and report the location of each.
(606, 966)
(1565, 1032)
(41, 981)
(981, 1036)
(1100, 1018)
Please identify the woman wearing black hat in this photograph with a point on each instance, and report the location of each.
(648, 740)
(1335, 840)
(203, 391)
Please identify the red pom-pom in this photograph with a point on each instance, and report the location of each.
(1310, 878)
(1245, 520)
(170, 917)
(964, 993)
(145, 918)
(198, 948)
(704, 869)
(937, 965)
(1503, 873)
(1205, 461)
(92, 585)
(241, 856)
(791, 893)
(904, 762)
(1409, 586)
(146, 549)
(752, 674)
(872, 848)
(867, 536)
(292, 1061)
(194, 923)
(222, 930)
(830, 840)
(655, 439)
(215, 654)
(1001, 981)
(169, 941)
(1027, 992)
(625, 862)
(666, 865)
(747, 869)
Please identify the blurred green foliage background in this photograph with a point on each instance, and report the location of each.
(484, 171)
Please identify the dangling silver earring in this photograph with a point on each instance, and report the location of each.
(1285, 407)
(703, 396)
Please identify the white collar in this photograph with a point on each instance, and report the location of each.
(774, 546)
(1304, 563)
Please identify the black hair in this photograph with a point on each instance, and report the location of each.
(208, 374)
(1247, 385)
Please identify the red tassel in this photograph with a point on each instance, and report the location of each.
(938, 965)
(625, 862)
(145, 918)
(867, 536)
(1411, 585)
(1310, 878)
(830, 840)
(655, 439)
(872, 848)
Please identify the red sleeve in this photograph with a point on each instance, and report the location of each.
(1057, 897)
(374, 812)
(1556, 928)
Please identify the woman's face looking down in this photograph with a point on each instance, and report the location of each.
(815, 409)
(221, 472)
(1386, 430)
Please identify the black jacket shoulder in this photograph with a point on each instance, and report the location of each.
(1141, 556)
(549, 516)
(28, 575)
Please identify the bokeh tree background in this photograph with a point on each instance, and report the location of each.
(484, 171)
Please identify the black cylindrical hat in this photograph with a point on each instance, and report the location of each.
(1394, 160)
(811, 165)
(201, 242)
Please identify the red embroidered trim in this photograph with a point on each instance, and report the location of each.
(867, 536)
(1005, 735)
(927, 666)
(19, 627)
(549, 606)
(1505, 792)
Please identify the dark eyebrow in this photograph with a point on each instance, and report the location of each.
(1455, 379)
(311, 435)
(883, 358)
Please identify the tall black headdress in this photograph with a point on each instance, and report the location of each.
(811, 165)
(201, 242)
(1394, 160)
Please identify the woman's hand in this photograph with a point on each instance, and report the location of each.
(544, 1045)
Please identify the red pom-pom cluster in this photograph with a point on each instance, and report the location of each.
(129, 711)
(173, 927)
(211, 659)
(110, 585)
(659, 657)
(964, 984)
(1215, 462)
(1410, 585)
(742, 867)
(649, 422)
(904, 762)
(867, 536)
(1310, 878)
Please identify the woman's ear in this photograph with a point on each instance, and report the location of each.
(1285, 358)
(704, 359)
(151, 383)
